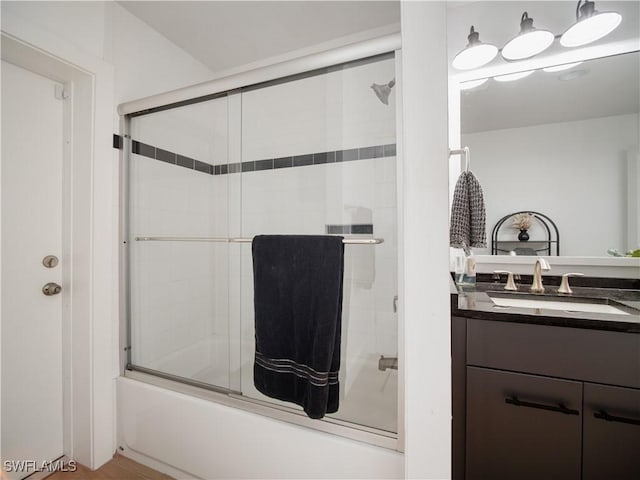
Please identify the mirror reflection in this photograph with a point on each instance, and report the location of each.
(562, 142)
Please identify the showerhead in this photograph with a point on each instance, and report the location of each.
(383, 91)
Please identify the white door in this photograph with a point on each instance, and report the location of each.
(32, 153)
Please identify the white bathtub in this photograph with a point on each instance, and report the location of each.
(190, 437)
(368, 396)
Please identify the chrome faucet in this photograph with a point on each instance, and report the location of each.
(541, 264)
(387, 362)
(564, 286)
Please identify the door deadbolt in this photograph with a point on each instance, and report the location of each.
(51, 288)
(50, 261)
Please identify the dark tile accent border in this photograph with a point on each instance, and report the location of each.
(143, 149)
(325, 157)
(264, 164)
(186, 162)
(347, 155)
(303, 160)
(320, 158)
(200, 166)
(166, 156)
(364, 228)
(389, 150)
(308, 159)
(285, 162)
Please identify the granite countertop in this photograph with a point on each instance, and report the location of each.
(474, 302)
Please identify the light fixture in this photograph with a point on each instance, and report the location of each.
(475, 54)
(468, 85)
(560, 68)
(529, 42)
(590, 25)
(510, 77)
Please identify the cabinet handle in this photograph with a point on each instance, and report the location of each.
(603, 415)
(561, 408)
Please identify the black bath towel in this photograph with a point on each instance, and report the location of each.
(298, 309)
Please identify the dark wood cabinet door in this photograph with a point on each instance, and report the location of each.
(522, 426)
(611, 433)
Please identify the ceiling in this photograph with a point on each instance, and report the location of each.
(227, 34)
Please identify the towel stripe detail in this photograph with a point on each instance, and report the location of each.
(284, 365)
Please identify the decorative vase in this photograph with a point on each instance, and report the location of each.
(523, 236)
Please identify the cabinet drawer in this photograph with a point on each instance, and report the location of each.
(611, 433)
(581, 354)
(522, 426)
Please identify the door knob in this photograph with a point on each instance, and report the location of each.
(50, 261)
(51, 289)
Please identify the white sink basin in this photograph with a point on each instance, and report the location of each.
(549, 304)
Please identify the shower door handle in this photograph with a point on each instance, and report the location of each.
(51, 288)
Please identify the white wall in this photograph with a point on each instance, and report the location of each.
(573, 172)
(86, 34)
(145, 62)
(79, 23)
(424, 229)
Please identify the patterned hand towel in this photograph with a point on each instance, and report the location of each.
(298, 313)
(468, 217)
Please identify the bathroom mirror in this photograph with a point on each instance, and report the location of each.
(563, 143)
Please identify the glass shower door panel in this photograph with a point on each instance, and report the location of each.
(318, 157)
(178, 208)
(179, 310)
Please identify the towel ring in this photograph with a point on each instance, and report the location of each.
(467, 156)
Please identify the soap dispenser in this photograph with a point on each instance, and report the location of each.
(470, 270)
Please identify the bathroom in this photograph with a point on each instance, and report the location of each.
(112, 56)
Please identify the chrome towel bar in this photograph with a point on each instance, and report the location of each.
(465, 153)
(350, 241)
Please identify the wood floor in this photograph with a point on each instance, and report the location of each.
(118, 468)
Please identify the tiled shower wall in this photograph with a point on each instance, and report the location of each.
(300, 157)
(336, 111)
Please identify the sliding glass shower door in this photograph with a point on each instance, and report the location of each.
(313, 154)
(179, 274)
(323, 153)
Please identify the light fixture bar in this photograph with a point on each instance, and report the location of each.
(590, 26)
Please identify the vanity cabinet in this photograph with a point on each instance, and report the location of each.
(537, 401)
(517, 429)
(611, 432)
